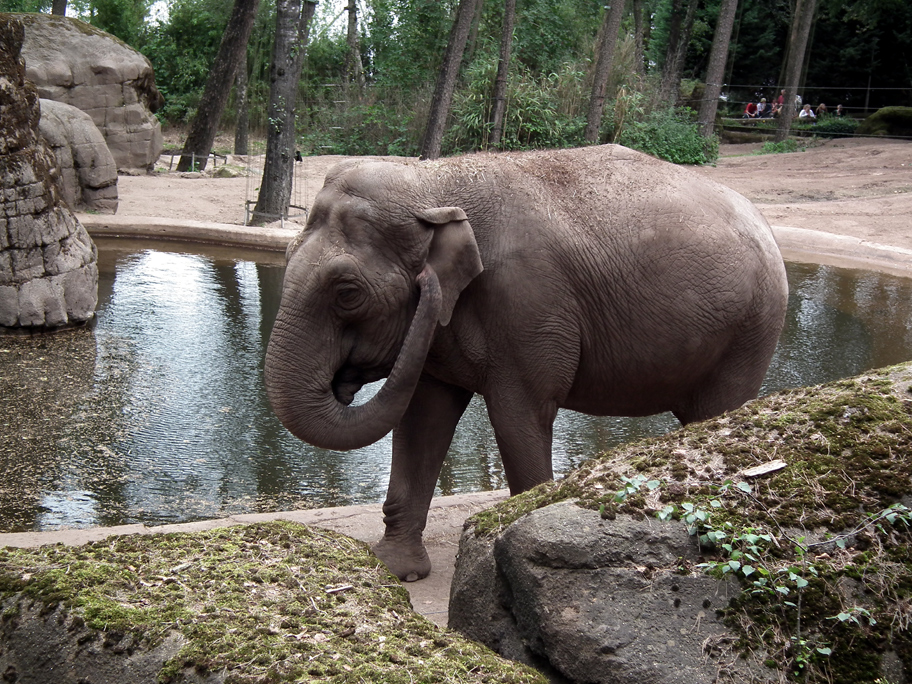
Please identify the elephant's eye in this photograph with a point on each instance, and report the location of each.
(349, 296)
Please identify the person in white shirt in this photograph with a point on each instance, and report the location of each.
(807, 114)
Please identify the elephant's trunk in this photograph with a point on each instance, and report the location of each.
(300, 387)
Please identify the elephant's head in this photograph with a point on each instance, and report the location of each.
(377, 267)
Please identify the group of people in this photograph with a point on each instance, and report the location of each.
(764, 110)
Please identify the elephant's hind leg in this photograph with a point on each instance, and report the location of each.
(420, 443)
(524, 434)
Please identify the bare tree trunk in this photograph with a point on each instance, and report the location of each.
(503, 72)
(798, 40)
(218, 86)
(604, 60)
(59, 8)
(472, 40)
(679, 39)
(292, 27)
(715, 72)
(242, 126)
(446, 80)
(639, 38)
(354, 73)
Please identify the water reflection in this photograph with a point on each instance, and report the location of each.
(159, 413)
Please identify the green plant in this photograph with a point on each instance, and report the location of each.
(784, 147)
(671, 135)
(536, 116)
(835, 127)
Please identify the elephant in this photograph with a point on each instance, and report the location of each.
(597, 279)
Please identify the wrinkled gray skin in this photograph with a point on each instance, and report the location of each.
(599, 280)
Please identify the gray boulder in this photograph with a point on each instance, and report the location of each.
(77, 64)
(593, 600)
(48, 262)
(88, 174)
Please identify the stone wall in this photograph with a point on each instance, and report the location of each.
(48, 263)
(75, 63)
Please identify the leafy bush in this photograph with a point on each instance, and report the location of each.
(836, 127)
(536, 116)
(672, 135)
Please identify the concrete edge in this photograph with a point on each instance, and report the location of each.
(846, 251)
(363, 521)
(797, 244)
(254, 237)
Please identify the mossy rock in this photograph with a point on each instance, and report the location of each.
(821, 544)
(259, 603)
(889, 121)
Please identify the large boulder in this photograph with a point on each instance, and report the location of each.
(273, 602)
(888, 121)
(48, 262)
(88, 174)
(769, 544)
(77, 64)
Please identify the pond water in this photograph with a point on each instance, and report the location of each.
(158, 414)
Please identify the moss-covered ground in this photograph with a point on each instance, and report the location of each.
(825, 562)
(275, 602)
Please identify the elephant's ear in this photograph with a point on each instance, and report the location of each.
(453, 253)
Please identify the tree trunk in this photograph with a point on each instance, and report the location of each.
(639, 39)
(218, 86)
(353, 70)
(715, 72)
(503, 72)
(446, 80)
(292, 26)
(59, 8)
(242, 126)
(605, 58)
(804, 18)
(679, 39)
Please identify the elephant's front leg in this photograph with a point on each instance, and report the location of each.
(420, 443)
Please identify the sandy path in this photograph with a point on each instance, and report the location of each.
(857, 187)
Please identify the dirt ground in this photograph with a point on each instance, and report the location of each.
(859, 187)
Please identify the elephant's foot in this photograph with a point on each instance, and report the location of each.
(407, 560)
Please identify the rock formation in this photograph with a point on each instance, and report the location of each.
(769, 544)
(88, 174)
(80, 65)
(48, 263)
(271, 602)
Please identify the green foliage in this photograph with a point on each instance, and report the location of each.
(182, 51)
(671, 135)
(406, 40)
(25, 5)
(550, 34)
(537, 114)
(122, 18)
(835, 127)
(363, 129)
(786, 146)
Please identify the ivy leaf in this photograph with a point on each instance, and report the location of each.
(825, 651)
(744, 487)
